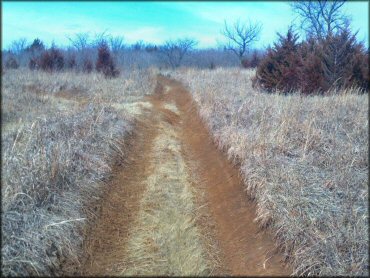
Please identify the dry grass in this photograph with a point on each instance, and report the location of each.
(61, 135)
(304, 160)
(165, 240)
(29, 94)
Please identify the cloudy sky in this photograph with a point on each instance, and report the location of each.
(152, 22)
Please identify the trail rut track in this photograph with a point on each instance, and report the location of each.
(106, 244)
(178, 207)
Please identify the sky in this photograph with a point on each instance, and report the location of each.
(154, 22)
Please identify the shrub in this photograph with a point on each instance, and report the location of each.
(337, 61)
(151, 48)
(52, 60)
(45, 61)
(71, 63)
(11, 63)
(212, 66)
(37, 45)
(251, 62)
(87, 66)
(245, 63)
(33, 64)
(105, 62)
(345, 62)
(358, 72)
(57, 58)
(280, 69)
(312, 74)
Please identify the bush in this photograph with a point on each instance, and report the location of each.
(71, 63)
(87, 66)
(52, 60)
(33, 64)
(252, 62)
(105, 62)
(11, 63)
(36, 46)
(245, 63)
(280, 69)
(212, 66)
(345, 62)
(312, 75)
(151, 48)
(314, 66)
(358, 72)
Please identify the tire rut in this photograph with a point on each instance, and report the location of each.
(178, 207)
(106, 244)
(245, 249)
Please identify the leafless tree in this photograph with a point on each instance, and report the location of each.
(116, 44)
(321, 18)
(17, 46)
(174, 51)
(100, 39)
(241, 36)
(85, 53)
(139, 45)
(80, 41)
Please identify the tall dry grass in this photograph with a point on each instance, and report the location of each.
(303, 159)
(28, 94)
(61, 136)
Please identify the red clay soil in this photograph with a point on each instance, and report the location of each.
(245, 249)
(106, 243)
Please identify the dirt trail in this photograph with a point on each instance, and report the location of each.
(153, 219)
(107, 241)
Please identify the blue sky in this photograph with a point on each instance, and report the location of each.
(152, 21)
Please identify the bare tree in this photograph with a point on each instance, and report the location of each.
(116, 44)
(80, 41)
(139, 45)
(321, 18)
(17, 46)
(241, 36)
(174, 51)
(100, 38)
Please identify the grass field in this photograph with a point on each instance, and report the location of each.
(61, 135)
(206, 140)
(304, 161)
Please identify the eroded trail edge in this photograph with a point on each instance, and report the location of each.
(178, 208)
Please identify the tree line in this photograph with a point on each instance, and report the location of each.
(83, 53)
(327, 56)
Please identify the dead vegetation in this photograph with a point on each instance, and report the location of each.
(304, 160)
(302, 152)
(166, 240)
(57, 150)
